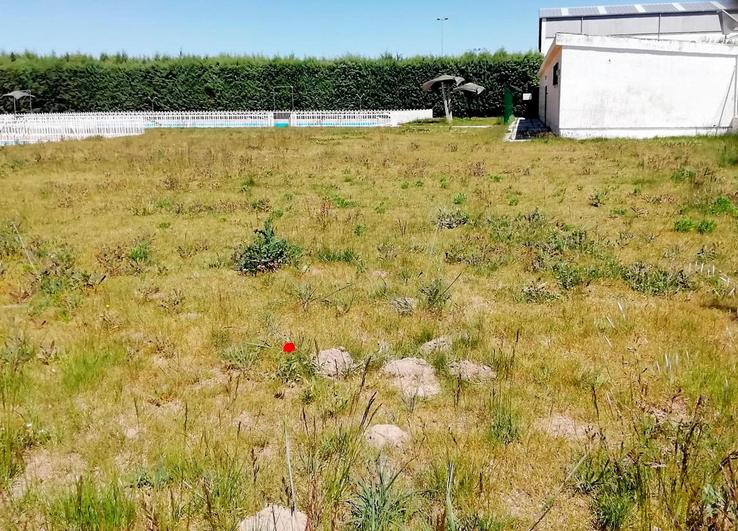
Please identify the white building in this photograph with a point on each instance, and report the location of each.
(595, 86)
(639, 70)
(690, 21)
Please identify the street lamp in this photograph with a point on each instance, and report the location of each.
(442, 20)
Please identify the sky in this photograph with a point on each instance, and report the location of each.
(302, 28)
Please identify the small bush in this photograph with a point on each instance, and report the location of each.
(722, 205)
(682, 174)
(706, 226)
(684, 225)
(239, 357)
(378, 505)
(652, 280)
(569, 275)
(505, 425)
(451, 220)
(295, 368)
(9, 243)
(538, 292)
(347, 256)
(140, 253)
(459, 199)
(266, 253)
(436, 294)
(92, 507)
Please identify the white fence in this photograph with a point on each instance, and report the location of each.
(32, 128)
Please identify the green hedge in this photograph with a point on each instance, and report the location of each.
(117, 83)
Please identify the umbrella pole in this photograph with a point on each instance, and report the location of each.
(446, 106)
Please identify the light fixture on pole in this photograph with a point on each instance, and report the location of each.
(442, 20)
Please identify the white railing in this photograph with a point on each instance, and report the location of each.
(33, 128)
(209, 119)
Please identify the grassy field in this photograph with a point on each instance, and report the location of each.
(143, 379)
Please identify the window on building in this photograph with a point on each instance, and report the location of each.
(556, 75)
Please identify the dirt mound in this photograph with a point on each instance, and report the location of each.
(381, 435)
(274, 518)
(469, 371)
(334, 362)
(413, 377)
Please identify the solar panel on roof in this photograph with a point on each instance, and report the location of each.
(550, 12)
(660, 8)
(583, 11)
(621, 10)
(650, 9)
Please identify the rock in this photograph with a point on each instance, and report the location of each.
(192, 316)
(440, 344)
(404, 305)
(380, 274)
(274, 518)
(414, 377)
(381, 435)
(334, 362)
(563, 427)
(469, 371)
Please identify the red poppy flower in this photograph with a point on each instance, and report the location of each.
(288, 347)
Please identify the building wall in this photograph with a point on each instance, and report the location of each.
(549, 95)
(628, 88)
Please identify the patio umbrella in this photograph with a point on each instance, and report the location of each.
(16, 95)
(470, 88)
(445, 84)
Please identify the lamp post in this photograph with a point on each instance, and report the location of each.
(442, 20)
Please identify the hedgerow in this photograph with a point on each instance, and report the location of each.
(119, 83)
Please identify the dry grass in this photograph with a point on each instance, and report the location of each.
(136, 353)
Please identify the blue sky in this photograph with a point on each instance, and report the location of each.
(271, 27)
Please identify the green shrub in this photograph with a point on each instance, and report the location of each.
(140, 253)
(347, 256)
(504, 424)
(706, 226)
(684, 225)
(379, 505)
(241, 357)
(9, 243)
(436, 294)
(451, 220)
(570, 276)
(295, 368)
(682, 174)
(652, 280)
(722, 205)
(92, 507)
(266, 253)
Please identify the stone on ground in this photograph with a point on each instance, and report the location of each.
(274, 518)
(381, 435)
(404, 305)
(334, 362)
(440, 344)
(563, 427)
(414, 377)
(469, 371)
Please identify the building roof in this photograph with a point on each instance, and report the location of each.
(639, 9)
(625, 44)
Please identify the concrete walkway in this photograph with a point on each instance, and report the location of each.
(526, 129)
